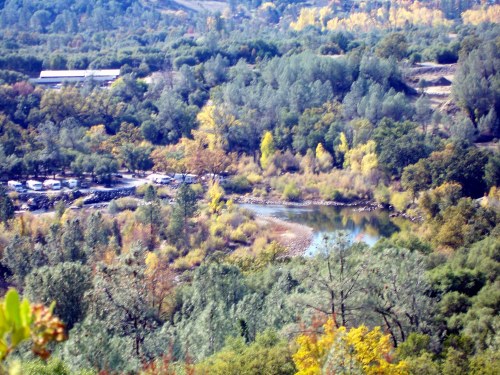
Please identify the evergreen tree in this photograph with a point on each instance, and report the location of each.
(6, 206)
(184, 209)
(120, 300)
(66, 284)
(72, 241)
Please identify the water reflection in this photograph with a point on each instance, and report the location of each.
(367, 226)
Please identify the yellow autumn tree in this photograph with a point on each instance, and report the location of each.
(340, 351)
(215, 195)
(266, 149)
(215, 123)
(343, 148)
(311, 355)
(307, 17)
(477, 16)
(325, 160)
(362, 158)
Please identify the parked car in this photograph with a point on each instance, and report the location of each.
(185, 178)
(16, 186)
(52, 184)
(72, 183)
(34, 185)
(159, 179)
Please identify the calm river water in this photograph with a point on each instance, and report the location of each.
(368, 226)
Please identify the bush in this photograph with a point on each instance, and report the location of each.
(382, 194)
(330, 49)
(237, 235)
(184, 60)
(163, 193)
(198, 189)
(78, 202)
(122, 204)
(141, 190)
(217, 229)
(250, 228)
(400, 201)
(238, 185)
(446, 56)
(254, 178)
(291, 192)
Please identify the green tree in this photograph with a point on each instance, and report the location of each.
(54, 366)
(492, 171)
(6, 206)
(475, 87)
(268, 355)
(332, 280)
(397, 292)
(92, 344)
(121, 302)
(17, 257)
(392, 45)
(66, 284)
(205, 313)
(72, 241)
(399, 145)
(96, 233)
(185, 207)
(150, 214)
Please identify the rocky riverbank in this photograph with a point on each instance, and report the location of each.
(296, 238)
(99, 196)
(37, 201)
(362, 205)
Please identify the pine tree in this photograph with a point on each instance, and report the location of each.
(72, 242)
(185, 207)
(6, 206)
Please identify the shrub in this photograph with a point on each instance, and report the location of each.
(122, 204)
(198, 189)
(237, 235)
(141, 190)
(79, 202)
(238, 185)
(249, 228)
(217, 229)
(382, 194)
(163, 193)
(259, 192)
(400, 200)
(254, 178)
(291, 192)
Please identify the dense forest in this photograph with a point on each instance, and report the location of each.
(388, 104)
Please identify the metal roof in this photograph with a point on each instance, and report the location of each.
(78, 73)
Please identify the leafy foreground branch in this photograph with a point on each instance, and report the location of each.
(21, 321)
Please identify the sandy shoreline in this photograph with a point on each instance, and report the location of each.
(296, 238)
(366, 204)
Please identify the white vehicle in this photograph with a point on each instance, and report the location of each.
(159, 179)
(16, 186)
(71, 183)
(213, 177)
(185, 178)
(52, 184)
(34, 185)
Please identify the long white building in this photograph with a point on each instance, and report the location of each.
(55, 77)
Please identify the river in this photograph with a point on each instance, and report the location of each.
(365, 226)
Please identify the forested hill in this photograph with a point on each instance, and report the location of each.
(384, 113)
(66, 16)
